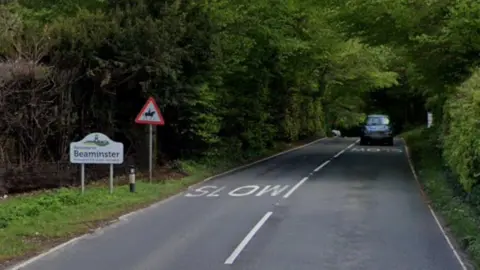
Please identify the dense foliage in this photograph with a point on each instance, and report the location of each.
(231, 77)
(235, 77)
(439, 47)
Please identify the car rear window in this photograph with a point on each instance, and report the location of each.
(377, 120)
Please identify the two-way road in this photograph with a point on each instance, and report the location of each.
(332, 205)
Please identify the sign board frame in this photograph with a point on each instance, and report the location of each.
(96, 148)
(146, 112)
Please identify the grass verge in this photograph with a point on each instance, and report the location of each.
(30, 223)
(460, 217)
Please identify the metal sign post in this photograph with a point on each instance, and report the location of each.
(150, 153)
(111, 178)
(82, 177)
(150, 115)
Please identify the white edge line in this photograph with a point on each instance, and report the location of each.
(247, 238)
(290, 192)
(258, 161)
(154, 205)
(29, 261)
(437, 221)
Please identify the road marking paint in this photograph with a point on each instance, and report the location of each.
(253, 188)
(290, 192)
(459, 259)
(125, 218)
(273, 190)
(201, 191)
(376, 149)
(295, 187)
(247, 238)
(437, 221)
(339, 153)
(215, 193)
(258, 161)
(31, 260)
(321, 166)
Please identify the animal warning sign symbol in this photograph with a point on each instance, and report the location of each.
(150, 114)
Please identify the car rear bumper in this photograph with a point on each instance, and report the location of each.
(377, 137)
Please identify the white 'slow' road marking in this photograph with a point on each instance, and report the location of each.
(155, 205)
(247, 238)
(254, 190)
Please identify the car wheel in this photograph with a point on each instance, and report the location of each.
(362, 141)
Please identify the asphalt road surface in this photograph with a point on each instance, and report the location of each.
(299, 211)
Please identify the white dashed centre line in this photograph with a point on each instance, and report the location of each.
(290, 192)
(247, 238)
(264, 219)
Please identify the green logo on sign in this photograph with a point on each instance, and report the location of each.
(97, 142)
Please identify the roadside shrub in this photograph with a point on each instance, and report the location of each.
(461, 142)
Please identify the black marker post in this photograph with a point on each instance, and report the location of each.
(131, 178)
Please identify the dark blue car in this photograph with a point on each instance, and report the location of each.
(377, 128)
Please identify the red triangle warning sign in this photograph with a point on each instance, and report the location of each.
(150, 114)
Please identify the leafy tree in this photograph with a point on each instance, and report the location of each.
(233, 78)
(439, 46)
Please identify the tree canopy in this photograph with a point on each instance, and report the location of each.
(231, 76)
(439, 46)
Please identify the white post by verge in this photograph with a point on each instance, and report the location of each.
(96, 148)
(150, 115)
(429, 119)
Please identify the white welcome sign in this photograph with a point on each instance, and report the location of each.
(96, 148)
